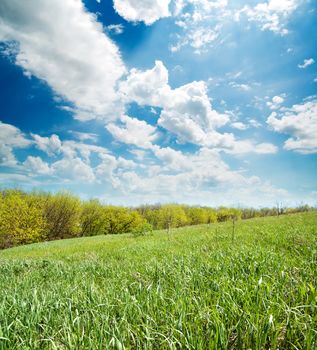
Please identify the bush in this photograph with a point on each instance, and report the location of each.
(62, 214)
(21, 219)
(121, 220)
(92, 218)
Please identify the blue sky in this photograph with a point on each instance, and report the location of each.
(146, 101)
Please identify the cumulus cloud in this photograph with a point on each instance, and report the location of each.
(203, 173)
(11, 138)
(272, 15)
(36, 166)
(134, 132)
(73, 169)
(147, 11)
(186, 111)
(307, 62)
(276, 102)
(64, 45)
(300, 123)
(50, 145)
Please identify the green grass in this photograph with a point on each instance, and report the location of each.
(195, 288)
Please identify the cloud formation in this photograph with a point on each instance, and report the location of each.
(307, 62)
(272, 15)
(147, 11)
(64, 45)
(300, 123)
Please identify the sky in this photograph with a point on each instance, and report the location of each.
(146, 101)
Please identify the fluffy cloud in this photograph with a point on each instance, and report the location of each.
(51, 145)
(147, 11)
(185, 111)
(73, 169)
(134, 132)
(299, 122)
(200, 22)
(37, 166)
(203, 173)
(307, 62)
(64, 45)
(10, 139)
(272, 15)
(239, 126)
(276, 102)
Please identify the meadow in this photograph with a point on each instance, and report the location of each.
(198, 287)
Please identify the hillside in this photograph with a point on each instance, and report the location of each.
(197, 288)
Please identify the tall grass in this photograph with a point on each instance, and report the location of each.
(194, 288)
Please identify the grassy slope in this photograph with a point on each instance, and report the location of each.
(194, 288)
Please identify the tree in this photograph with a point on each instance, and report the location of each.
(92, 220)
(171, 215)
(121, 220)
(62, 214)
(21, 219)
(196, 215)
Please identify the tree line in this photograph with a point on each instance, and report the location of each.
(28, 217)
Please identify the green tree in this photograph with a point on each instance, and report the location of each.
(62, 214)
(171, 215)
(121, 220)
(21, 219)
(92, 218)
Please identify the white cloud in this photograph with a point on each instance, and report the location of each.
(73, 169)
(50, 145)
(200, 22)
(134, 132)
(307, 62)
(254, 123)
(272, 15)
(10, 139)
(115, 28)
(199, 38)
(185, 111)
(85, 136)
(299, 122)
(239, 126)
(64, 45)
(203, 173)
(243, 87)
(147, 11)
(36, 166)
(276, 102)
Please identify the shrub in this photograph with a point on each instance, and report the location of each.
(21, 219)
(92, 218)
(62, 214)
(121, 220)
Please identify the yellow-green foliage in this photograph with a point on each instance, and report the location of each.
(37, 216)
(171, 215)
(121, 220)
(92, 218)
(197, 215)
(21, 219)
(225, 214)
(62, 214)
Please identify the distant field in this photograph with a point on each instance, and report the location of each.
(195, 288)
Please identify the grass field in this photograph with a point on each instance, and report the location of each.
(195, 288)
